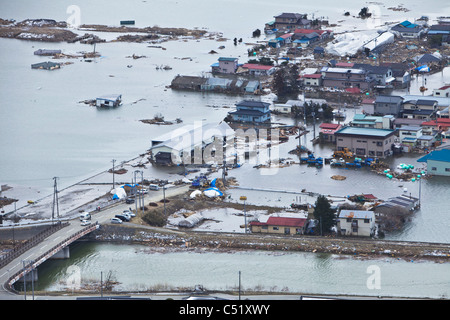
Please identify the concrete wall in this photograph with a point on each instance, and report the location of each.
(439, 168)
(363, 146)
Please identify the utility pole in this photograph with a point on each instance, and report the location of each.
(55, 199)
(243, 198)
(164, 196)
(113, 169)
(239, 285)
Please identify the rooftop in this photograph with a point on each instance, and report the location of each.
(437, 155)
(252, 104)
(356, 214)
(369, 132)
(256, 66)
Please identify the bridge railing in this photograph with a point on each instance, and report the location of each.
(25, 246)
(46, 255)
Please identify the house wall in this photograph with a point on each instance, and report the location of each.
(365, 146)
(356, 227)
(368, 108)
(277, 229)
(312, 81)
(248, 118)
(227, 66)
(439, 168)
(387, 108)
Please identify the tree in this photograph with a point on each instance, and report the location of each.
(285, 80)
(324, 214)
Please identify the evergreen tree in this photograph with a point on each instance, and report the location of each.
(324, 214)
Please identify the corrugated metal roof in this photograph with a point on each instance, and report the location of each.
(357, 214)
(437, 155)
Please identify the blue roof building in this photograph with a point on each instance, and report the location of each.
(251, 111)
(438, 162)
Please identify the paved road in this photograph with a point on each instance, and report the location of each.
(101, 217)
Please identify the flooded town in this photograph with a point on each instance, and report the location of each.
(158, 154)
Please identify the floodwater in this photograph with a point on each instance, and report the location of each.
(45, 132)
(161, 269)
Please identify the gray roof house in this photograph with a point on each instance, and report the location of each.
(46, 65)
(385, 105)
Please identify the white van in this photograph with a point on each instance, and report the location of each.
(154, 187)
(85, 216)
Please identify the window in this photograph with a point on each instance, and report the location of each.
(275, 228)
(447, 169)
(264, 227)
(434, 169)
(355, 229)
(349, 219)
(366, 220)
(379, 144)
(360, 151)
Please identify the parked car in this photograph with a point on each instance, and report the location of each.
(143, 190)
(85, 222)
(122, 217)
(130, 213)
(128, 216)
(129, 200)
(116, 220)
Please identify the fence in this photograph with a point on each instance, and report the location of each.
(25, 246)
(46, 255)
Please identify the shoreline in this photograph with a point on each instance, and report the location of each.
(180, 240)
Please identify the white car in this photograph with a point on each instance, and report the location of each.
(85, 222)
(129, 213)
(116, 220)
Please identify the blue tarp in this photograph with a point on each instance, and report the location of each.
(215, 189)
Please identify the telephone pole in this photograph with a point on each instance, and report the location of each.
(113, 169)
(55, 199)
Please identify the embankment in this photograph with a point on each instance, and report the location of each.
(187, 240)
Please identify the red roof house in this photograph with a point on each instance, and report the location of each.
(258, 69)
(283, 225)
(327, 131)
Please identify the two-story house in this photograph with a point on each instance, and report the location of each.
(292, 21)
(345, 78)
(385, 105)
(251, 111)
(366, 141)
(420, 109)
(356, 223)
(225, 65)
(381, 75)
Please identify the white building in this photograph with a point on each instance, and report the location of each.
(179, 145)
(112, 100)
(356, 223)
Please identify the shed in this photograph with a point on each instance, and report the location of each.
(111, 100)
(46, 52)
(46, 65)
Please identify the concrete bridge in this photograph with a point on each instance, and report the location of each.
(54, 242)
